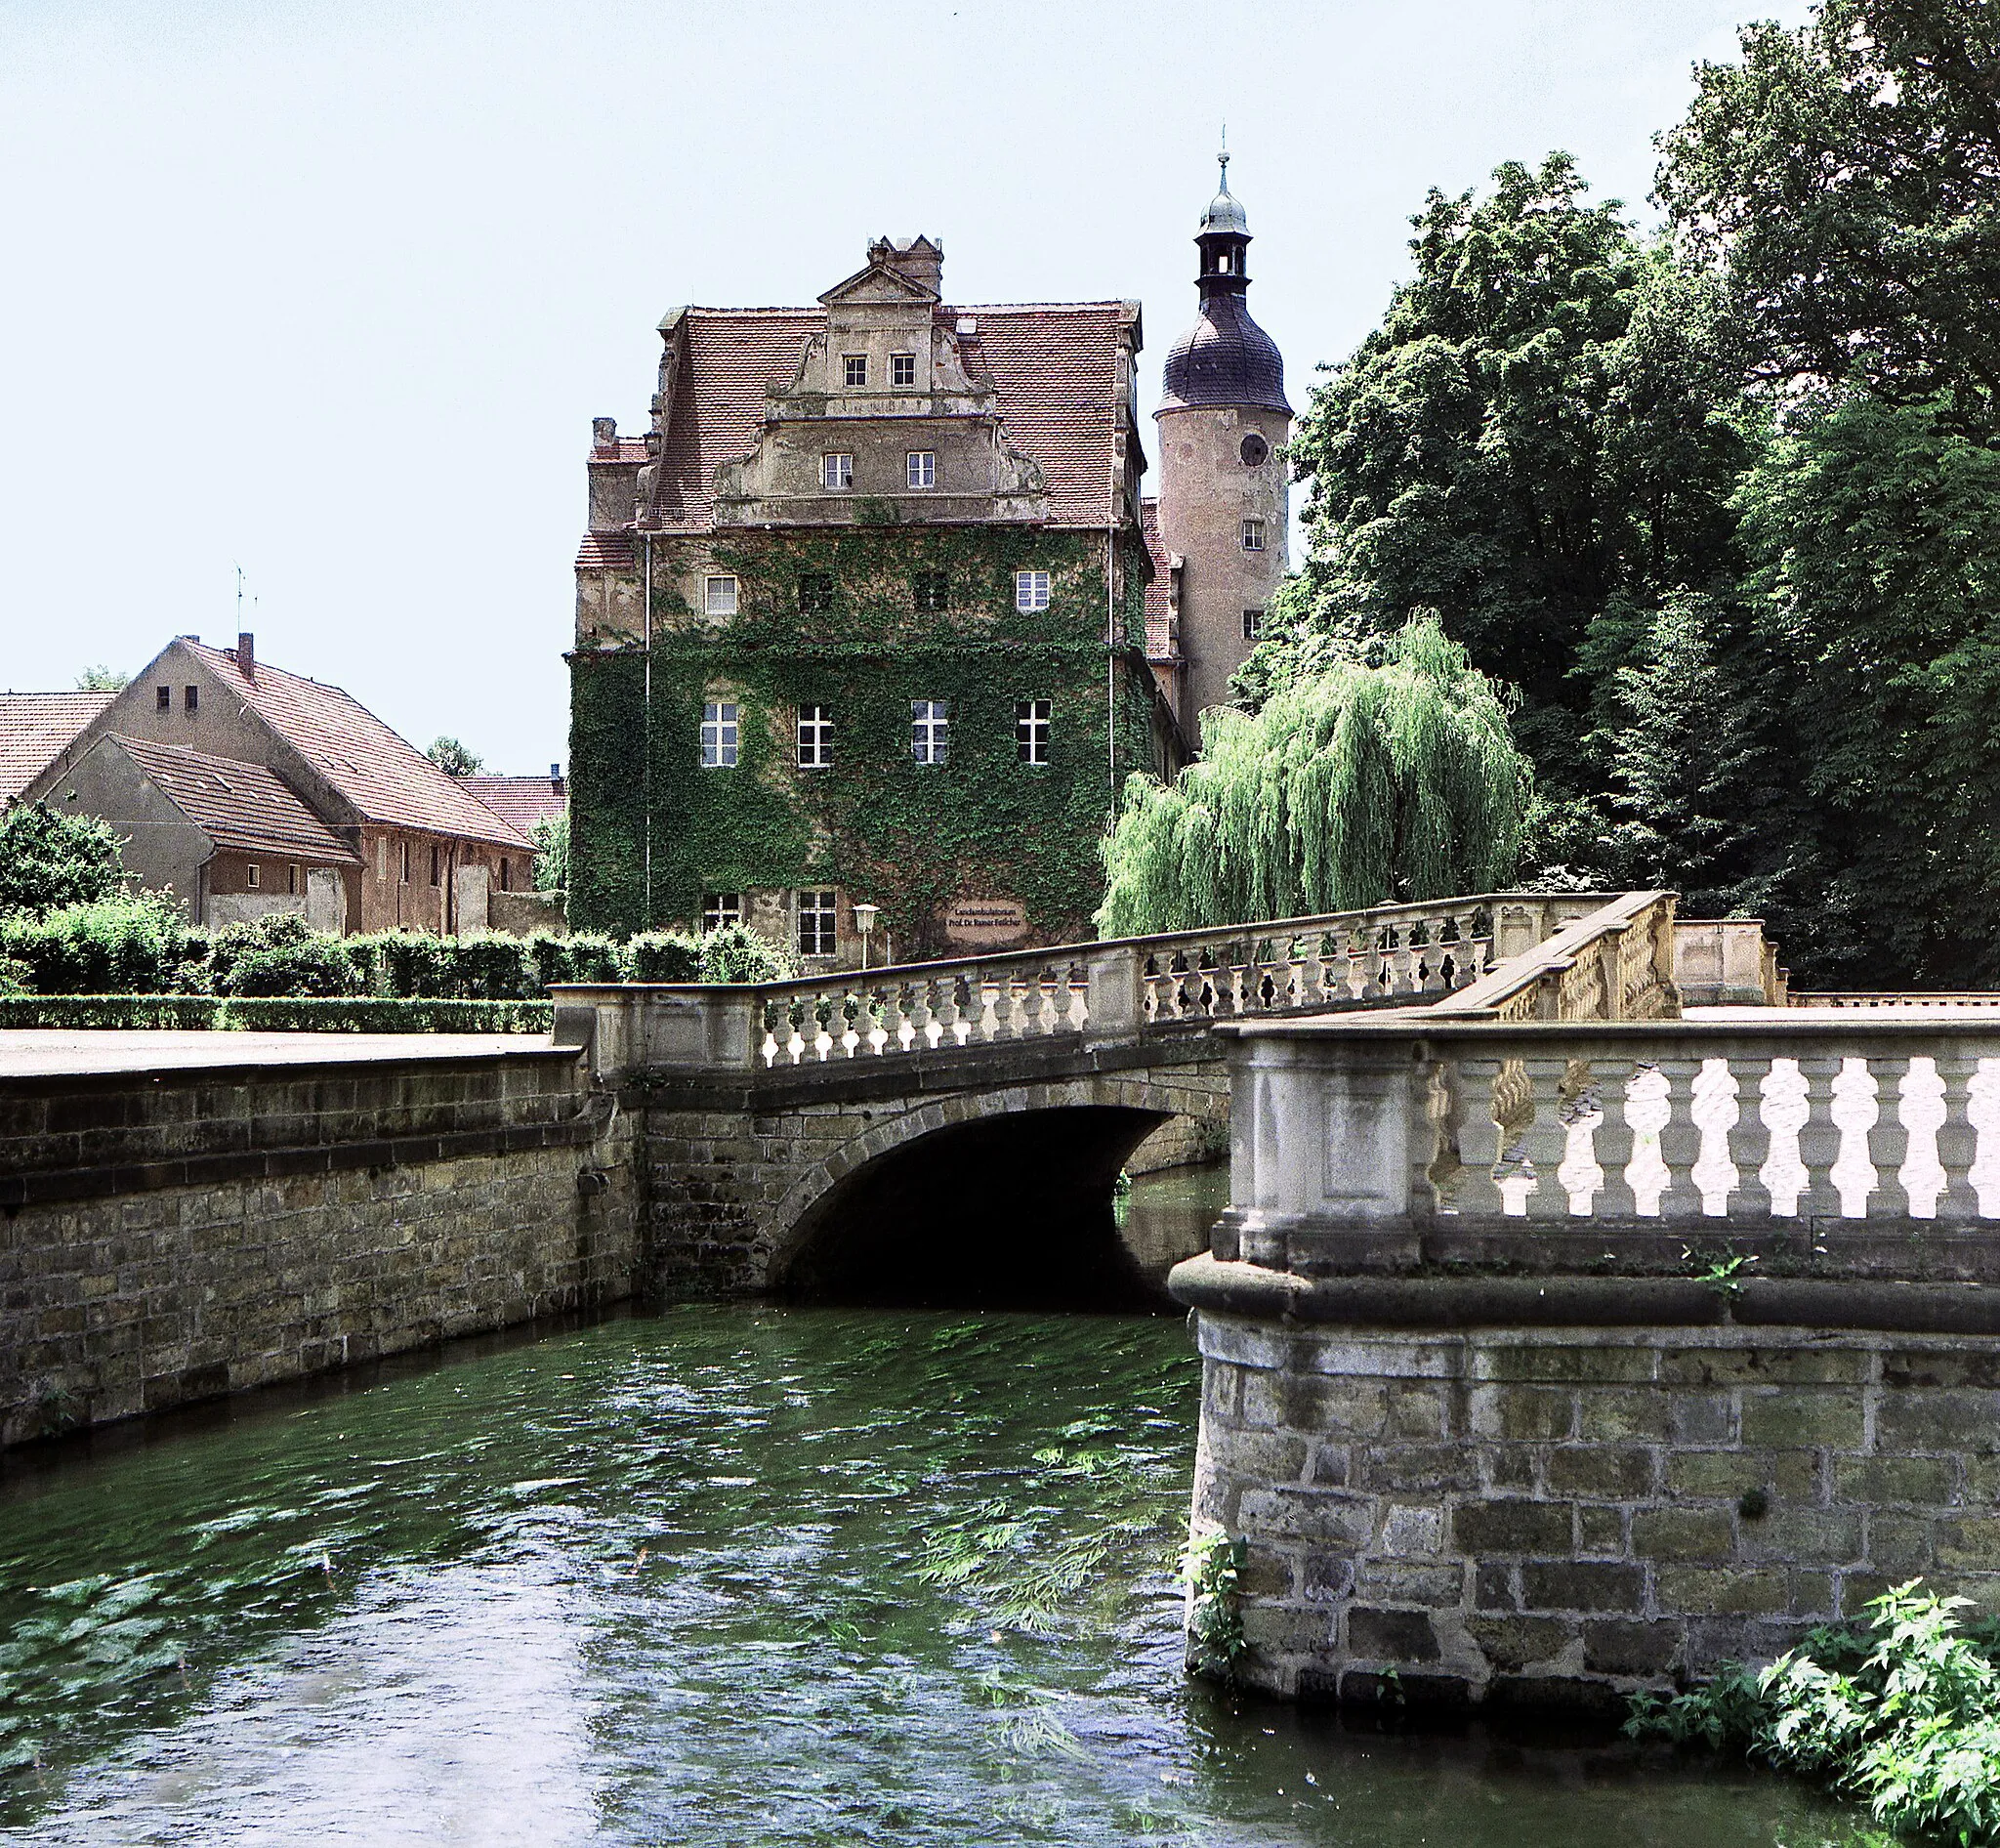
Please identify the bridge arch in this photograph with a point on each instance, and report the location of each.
(995, 1193)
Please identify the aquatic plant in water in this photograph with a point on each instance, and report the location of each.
(1901, 1710)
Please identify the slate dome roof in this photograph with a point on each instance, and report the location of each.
(1225, 358)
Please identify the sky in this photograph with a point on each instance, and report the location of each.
(329, 293)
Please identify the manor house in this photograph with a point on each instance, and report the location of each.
(875, 613)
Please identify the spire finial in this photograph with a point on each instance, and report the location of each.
(1224, 156)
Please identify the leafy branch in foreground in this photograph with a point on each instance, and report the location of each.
(1213, 1574)
(1902, 1710)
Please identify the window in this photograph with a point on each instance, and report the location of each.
(931, 590)
(920, 468)
(1031, 590)
(816, 736)
(506, 874)
(163, 698)
(816, 593)
(191, 700)
(292, 880)
(1253, 449)
(819, 923)
(903, 368)
(405, 846)
(931, 730)
(718, 736)
(436, 865)
(722, 909)
(836, 469)
(382, 859)
(1253, 535)
(253, 877)
(1032, 731)
(1253, 624)
(718, 597)
(856, 365)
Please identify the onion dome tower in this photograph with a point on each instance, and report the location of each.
(1225, 500)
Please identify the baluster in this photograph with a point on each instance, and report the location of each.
(1308, 978)
(1029, 1014)
(952, 1026)
(1579, 1177)
(1957, 1138)
(1680, 1141)
(1543, 1141)
(1857, 1109)
(1613, 1141)
(767, 1038)
(1749, 1138)
(1919, 1115)
(1982, 1112)
(1480, 1141)
(1648, 1106)
(1819, 1138)
(1078, 982)
(1337, 965)
(1060, 993)
(850, 1020)
(795, 1029)
(1714, 1110)
(1402, 962)
(893, 1020)
(996, 1008)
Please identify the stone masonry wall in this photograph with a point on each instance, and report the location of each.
(1555, 1517)
(170, 1237)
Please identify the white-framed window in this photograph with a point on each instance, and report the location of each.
(819, 923)
(1253, 535)
(719, 596)
(856, 365)
(815, 737)
(253, 877)
(920, 468)
(903, 368)
(1031, 590)
(720, 910)
(1032, 731)
(719, 734)
(1253, 624)
(836, 469)
(931, 730)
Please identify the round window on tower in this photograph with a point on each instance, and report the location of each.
(1254, 449)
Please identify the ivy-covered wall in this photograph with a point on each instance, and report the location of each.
(909, 836)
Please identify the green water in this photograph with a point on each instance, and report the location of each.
(730, 1575)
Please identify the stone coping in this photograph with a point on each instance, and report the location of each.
(1450, 1303)
(1710, 1026)
(87, 1052)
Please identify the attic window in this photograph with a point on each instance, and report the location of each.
(192, 700)
(903, 368)
(856, 365)
(163, 698)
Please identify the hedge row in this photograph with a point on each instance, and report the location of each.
(318, 1014)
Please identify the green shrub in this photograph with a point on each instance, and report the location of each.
(281, 954)
(663, 956)
(1902, 1710)
(408, 963)
(324, 1014)
(49, 860)
(131, 942)
(188, 1013)
(737, 955)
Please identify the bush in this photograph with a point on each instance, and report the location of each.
(1902, 1710)
(736, 955)
(325, 1014)
(188, 1013)
(130, 944)
(48, 860)
(663, 956)
(281, 954)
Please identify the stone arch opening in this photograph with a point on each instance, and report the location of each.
(1002, 1210)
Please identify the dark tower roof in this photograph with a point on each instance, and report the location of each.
(1225, 358)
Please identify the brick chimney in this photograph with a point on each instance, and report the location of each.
(246, 655)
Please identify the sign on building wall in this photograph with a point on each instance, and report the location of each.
(984, 923)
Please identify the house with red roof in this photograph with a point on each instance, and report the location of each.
(247, 789)
(35, 729)
(861, 623)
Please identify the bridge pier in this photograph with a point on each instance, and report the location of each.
(1550, 1359)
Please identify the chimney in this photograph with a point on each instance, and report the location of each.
(603, 433)
(921, 259)
(556, 777)
(246, 655)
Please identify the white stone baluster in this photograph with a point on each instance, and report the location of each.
(1647, 1107)
(1856, 1110)
(1028, 1010)
(1819, 1138)
(922, 1015)
(1077, 982)
(1749, 1140)
(1479, 1141)
(1337, 966)
(1784, 1108)
(1612, 1140)
(1957, 1139)
(1920, 1175)
(850, 1020)
(952, 1025)
(1543, 1140)
(993, 1000)
(1713, 1113)
(1982, 1112)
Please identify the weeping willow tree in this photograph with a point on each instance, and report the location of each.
(1365, 784)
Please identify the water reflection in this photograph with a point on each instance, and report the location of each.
(738, 1573)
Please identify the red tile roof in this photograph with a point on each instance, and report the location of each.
(385, 777)
(518, 801)
(1159, 635)
(33, 730)
(1056, 368)
(243, 807)
(606, 552)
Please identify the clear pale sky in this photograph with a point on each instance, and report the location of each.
(332, 291)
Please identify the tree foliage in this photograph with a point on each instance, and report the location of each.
(1845, 179)
(49, 860)
(101, 679)
(1354, 787)
(551, 836)
(453, 758)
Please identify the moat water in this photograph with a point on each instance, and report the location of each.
(732, 1575)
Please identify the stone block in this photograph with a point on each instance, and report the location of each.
(1586, 1586)
(1322, 1516)
(1601, 1472)
(1895, 1481)
(1440, 1588)
(1522, 1413)
(1266, 1573)
(1969, 1542)
(1938, 1421)
(1803, 1418)
(1803, 1536)
(1722, 1590)
(1432, 1468)
(1417, 1412)
(1284, 1629)
(1790, 1475)
(1747, 1366)
(1493, 1586)
(1394, 1636)
(1512, 1527)
(1968, 1363)
(1262, 1457)
(1903, 1546)
(1631, 1413)
(1579, 1365)
(1614, 1646)
(1509, 1466)
(1410, 1529)
(1600, 1531)
(1385, 1358)
(1330, 1407)
(1683, 1534)
(1326, 1577)
(1332, 1465)
(1701, 1418)
(1516, 1642)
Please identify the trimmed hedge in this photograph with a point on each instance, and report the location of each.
(315, 1013)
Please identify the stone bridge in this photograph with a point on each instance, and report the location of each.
(962, 1123)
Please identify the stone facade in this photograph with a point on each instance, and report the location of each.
(170, 1237)
(1551, 1517)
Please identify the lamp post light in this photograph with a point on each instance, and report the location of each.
(864, 922)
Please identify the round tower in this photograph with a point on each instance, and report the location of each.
(1225, 496)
